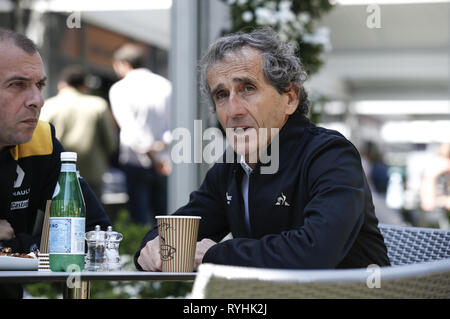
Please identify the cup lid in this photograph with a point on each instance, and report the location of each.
(178, 216)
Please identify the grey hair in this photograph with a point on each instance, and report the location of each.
(19, 41)
(281, 66)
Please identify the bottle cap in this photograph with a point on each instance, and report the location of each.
(68, 156)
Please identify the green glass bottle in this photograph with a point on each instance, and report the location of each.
(67, 219)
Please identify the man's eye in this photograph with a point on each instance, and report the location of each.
(17, 84)
(40, 85)
(249, 88)
(221, 95)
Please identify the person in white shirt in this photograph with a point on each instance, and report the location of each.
(140, 103)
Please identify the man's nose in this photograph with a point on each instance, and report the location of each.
(236, 106)
(35, 99)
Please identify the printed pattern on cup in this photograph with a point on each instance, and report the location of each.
(167, 252)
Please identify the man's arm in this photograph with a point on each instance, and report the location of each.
(135, 129)
(204, 202)
(107, 131)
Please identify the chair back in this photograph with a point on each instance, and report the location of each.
(420, 256)
(410, 245)
(424, 280)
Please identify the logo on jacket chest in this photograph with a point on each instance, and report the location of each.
(20, 176)
(228, 197)
(281, 201)
(20, 194)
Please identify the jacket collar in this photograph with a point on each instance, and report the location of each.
(7, 151)
(292, 130)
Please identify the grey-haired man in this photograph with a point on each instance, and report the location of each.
(315, 212)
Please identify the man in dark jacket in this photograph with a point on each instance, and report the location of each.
(29, 152)
(314, 211)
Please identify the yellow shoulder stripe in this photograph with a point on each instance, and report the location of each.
(40, 144)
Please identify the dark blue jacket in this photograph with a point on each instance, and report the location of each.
(329, 221)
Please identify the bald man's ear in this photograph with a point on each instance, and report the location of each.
(293, 98)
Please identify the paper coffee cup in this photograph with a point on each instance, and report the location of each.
(177, 242)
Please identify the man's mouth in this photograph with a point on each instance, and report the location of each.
(31, 121)
(241, 129)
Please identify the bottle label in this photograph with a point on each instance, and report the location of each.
(68, 167)
(67, 235)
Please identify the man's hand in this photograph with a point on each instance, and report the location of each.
(150, 259)
(200, 251)
(163, 167)
(6, 231)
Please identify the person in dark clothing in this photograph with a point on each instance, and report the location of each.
(29, 153)
(378, 170)
(309, 206)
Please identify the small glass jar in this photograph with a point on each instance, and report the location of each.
(113, 240)
(96, 256)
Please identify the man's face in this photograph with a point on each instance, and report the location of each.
(22, 79)
(246, 102)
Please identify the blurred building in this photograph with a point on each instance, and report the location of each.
(80, 33)
(386, 79)
(87, 32)
(383, 81)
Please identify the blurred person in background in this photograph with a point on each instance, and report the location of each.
(29, 153)
(435, 188)
(140, 103)
(377, 170)
(83, 124)
(377, 175)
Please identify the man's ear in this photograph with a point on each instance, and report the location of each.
(293, 98)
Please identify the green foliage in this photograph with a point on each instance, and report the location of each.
(315, 112)
(132, 238)
(292, 19)
(44, 290)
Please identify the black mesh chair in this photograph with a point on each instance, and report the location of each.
(411, 245)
